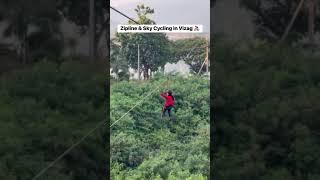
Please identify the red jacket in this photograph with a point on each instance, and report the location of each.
(169, 100)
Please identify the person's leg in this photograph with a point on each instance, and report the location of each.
(163, 111)
(169, 111)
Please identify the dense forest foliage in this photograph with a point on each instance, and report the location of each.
(46, 108)
(266, 105)
(144, 146)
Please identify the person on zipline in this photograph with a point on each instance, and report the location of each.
(169, 103)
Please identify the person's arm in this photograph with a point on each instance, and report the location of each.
(163, 95)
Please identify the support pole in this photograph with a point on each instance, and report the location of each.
(202, 66)
(138, 62)
(207, 58)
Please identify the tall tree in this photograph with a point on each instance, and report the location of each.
(29, 21)
(154, 47)
(192, 51)
(272, 17)
(143, 12)
(77, 11)
(117, 60)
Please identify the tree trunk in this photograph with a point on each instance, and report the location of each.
(20, 52)
(146, 72)
(98, 36)
(23, 48)
(311, 18)
(92, 30)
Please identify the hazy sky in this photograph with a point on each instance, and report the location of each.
(226, 16)
(229, 18)
(166, 12)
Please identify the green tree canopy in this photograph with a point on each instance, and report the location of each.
(43, 111)
(41, 16)
(154, 47)
(77, 12)
(192, 51)
(272, 17)
(144, 146)
(118, 62)
(266, 104)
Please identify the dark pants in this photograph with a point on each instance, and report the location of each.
(167, 109)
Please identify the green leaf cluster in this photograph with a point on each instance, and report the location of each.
(266, 104)
(43, 111)
(144, 146)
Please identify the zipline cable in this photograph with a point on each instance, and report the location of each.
(202, 66)
(97, 126)
(89, 133)
(191, 49)
(69, 149)
(124, 15)
(136, 104)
